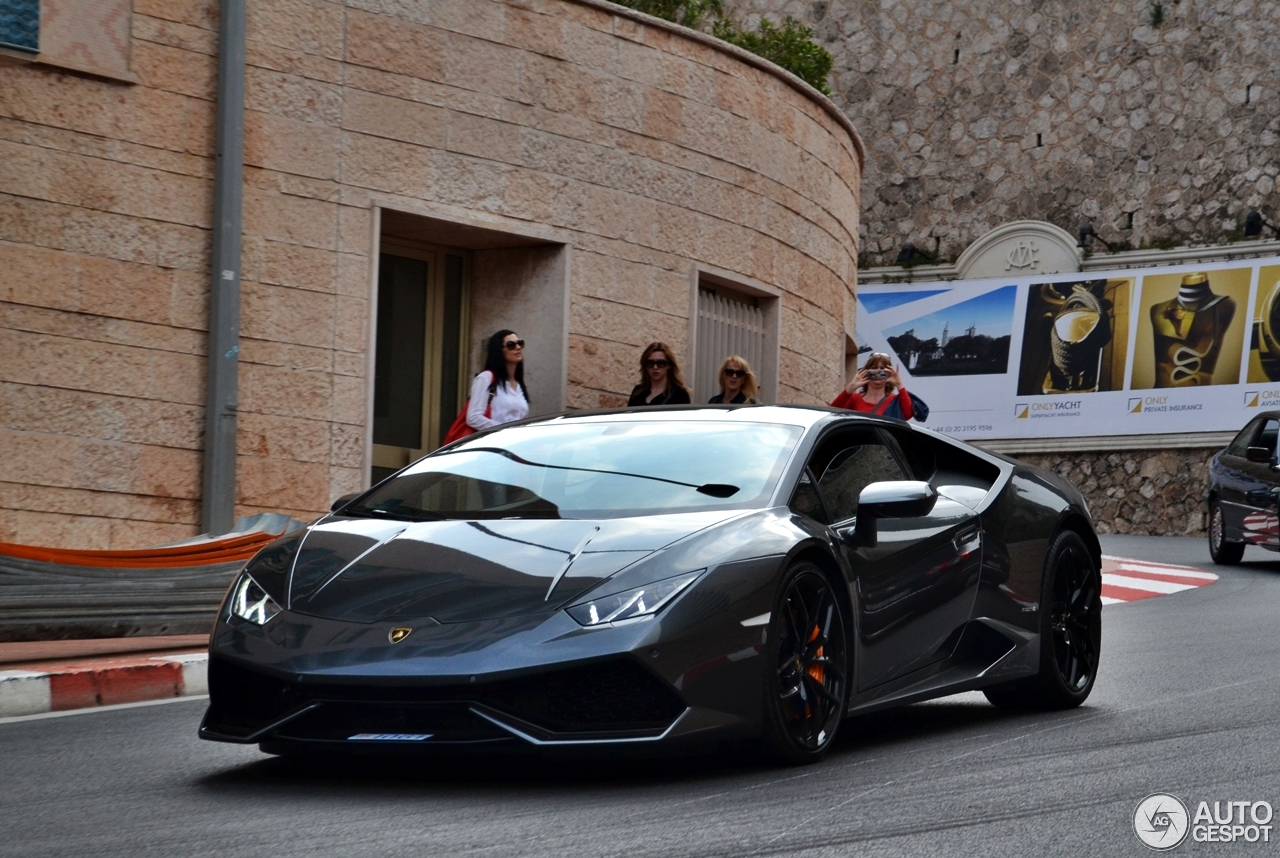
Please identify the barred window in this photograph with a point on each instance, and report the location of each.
(728, 324)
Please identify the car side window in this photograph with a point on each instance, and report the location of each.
(805, 500)
(851, 470)
(920, 459)
(1240, 444)
(1267, 435)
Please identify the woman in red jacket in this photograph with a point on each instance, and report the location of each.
(877, 389)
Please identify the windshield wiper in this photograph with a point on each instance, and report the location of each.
(416, 515)
(715, 490)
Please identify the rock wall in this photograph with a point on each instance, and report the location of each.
(1157, 121)
(1151, 492)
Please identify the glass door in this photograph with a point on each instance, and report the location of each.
(420, 361)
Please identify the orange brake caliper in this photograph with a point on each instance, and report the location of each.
(817, 671)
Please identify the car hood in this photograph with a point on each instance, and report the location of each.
(364, 570)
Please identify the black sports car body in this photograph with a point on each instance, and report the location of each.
(1244, 485)
(662, 576)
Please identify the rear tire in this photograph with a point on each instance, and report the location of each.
(1070, 632)
(1223, 552)
(806, 668)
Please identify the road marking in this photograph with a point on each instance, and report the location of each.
(1157, 569)
(66, 713)
(1147, 583)
(1127, 580)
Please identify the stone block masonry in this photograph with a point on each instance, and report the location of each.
(645, 152)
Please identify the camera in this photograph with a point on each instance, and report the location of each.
(877, 374)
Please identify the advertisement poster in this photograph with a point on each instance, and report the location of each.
(1189, 348)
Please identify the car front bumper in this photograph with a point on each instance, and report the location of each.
(536, 680)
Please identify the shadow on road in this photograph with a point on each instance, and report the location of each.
(932, 720)
(433, 773)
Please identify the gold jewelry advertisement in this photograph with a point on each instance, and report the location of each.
(1264, 350)
(1076, 336)
(1191, 328)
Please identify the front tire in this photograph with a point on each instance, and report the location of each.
(1070, 632)
(1223, 552)
(806, 668)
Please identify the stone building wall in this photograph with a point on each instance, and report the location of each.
(1153, 492)
(105, 210)
(644, 150)
(1157, 121)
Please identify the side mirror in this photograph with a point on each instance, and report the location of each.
(1258, 454)
(896, 499)
(343, 501)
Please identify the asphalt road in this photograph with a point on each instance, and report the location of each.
(1186, 703)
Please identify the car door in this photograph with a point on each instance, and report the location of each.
(916, 585)
(1258, 480)
(1230, 480)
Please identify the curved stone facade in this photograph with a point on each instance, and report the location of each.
(1158, 122)
(609, 160)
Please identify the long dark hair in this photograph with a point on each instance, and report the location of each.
(674, 378)
(495, 361)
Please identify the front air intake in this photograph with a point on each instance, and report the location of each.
(611, 698)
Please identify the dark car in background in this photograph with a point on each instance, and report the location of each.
(1244, 483)
(662, 578)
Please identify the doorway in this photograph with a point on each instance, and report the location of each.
(420, 358)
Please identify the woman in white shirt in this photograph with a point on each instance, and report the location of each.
(499, 388)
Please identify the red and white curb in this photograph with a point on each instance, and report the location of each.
(102, 682)
(1125, 580)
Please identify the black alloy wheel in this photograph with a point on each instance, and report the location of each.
(1223, 552)
(1070, 632)
(806, 684)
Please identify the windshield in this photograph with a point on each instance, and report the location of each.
(591, 470)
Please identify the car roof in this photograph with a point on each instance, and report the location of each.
(805, 416)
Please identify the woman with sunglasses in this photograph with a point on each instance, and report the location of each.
(877, 389)
(498, 394)
(738, 385)
(660, 379)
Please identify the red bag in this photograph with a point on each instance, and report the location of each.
(460, 428)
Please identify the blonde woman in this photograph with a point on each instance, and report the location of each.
(738, 384)
(660, 379)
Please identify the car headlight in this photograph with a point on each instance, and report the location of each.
(250, 602)
(629, 604)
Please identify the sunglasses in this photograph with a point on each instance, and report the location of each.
(513, 344)
(736, 373)
(657, 364)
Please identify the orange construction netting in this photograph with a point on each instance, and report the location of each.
(197, 554)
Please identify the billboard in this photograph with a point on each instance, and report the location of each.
(1188, 348)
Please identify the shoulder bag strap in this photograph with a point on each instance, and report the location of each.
(493, 389)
